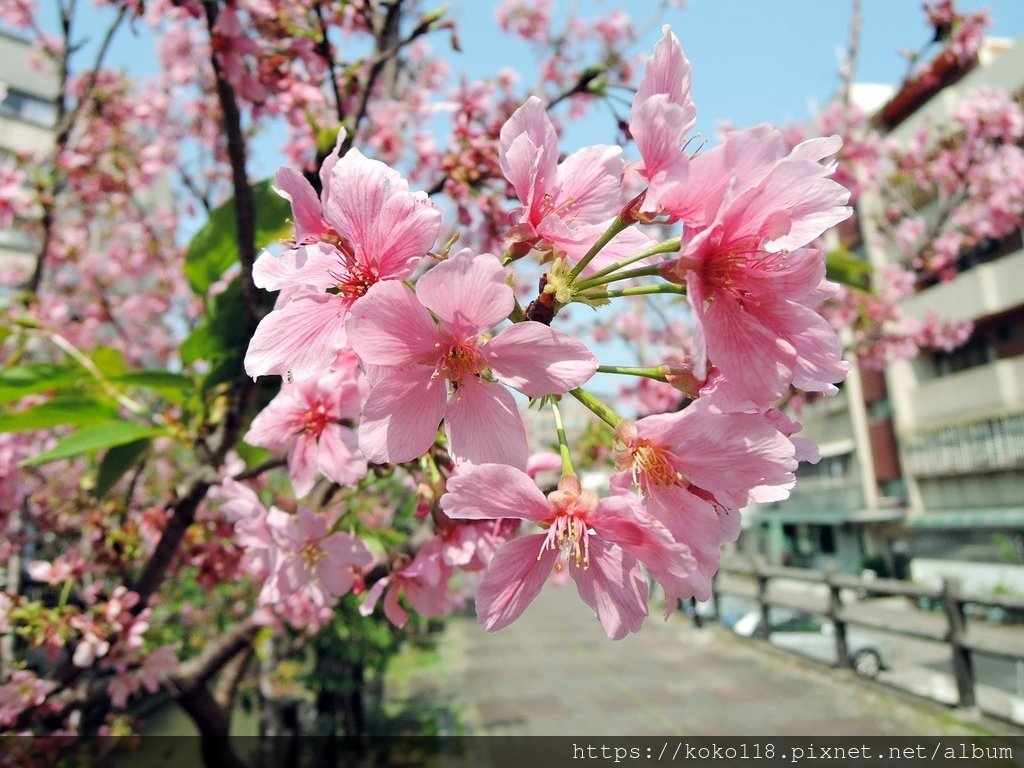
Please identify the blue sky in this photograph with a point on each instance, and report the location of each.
(753, 61)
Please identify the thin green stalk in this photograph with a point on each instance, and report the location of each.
(654, 372)
(669, 246)
(109, 389)
(641, 290)
(65, 592)
(618, 224)
(602, 411)
(517, 315)
(563, 442)
(627, 275)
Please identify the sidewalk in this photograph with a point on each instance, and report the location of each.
(555, 673)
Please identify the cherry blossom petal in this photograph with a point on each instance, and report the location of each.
(668, 72)
(528, 151)
(373, 595)
(302, 461)
(589, 183)
(341, 553)
(694, 522)
(387, 225)
(467, 292)
(276, 426)
(669, 562)
(388, 326)
(811, 202)
(614, 588)
(300, 339)
(394, 611)
(656, 129)
(539, 360)
(484, 425)
(306, 265)
(514, 577)
(401, 416)
(338, 457)
(756, 361)
(293, 187)
(494, 491)
(429, 599)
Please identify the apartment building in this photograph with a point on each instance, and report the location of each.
(922, 470)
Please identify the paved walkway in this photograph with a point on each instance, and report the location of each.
(555, 673)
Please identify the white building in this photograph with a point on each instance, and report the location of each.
(925, 463)
(27, 116)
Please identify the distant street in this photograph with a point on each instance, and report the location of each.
(554, 673)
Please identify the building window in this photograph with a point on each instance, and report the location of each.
(987, 444)
(827, 540)
(829, 468)
(984, 251)
(31, 109)
(977, 351)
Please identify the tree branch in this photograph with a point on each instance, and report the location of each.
(245, 212)
(386, 48)
(65, 122)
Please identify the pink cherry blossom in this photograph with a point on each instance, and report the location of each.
(602, 541)
(306, 419)
(528, 19)
(754, 288)
(694, 470)
(661, 115)
(22, 691)
(305, 557)
(366, 227)
(568, 204)
(419, 360)
(423, 581)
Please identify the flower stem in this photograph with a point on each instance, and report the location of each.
(65, 592)
(517, 315)
(606, 414)
(641, 290)
(108, 388)
(630, 273)
(669, 246)
(654, 372)
(563, 442)
(618, 224)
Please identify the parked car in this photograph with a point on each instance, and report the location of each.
(813, 636)
(732, 609)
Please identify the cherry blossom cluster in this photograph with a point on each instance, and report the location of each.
(950, 190)
(408, 335)
(381, 340)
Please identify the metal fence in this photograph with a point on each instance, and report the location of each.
(842, 600)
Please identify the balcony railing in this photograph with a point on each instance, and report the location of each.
(984, 444)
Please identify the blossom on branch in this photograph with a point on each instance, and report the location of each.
(602, 542)
(365, 227)
(429, 371)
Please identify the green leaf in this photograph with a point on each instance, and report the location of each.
(116, 462)
(172, 386)
(71, 410)
(220, 338)
(844, 266)
(22, 380)
(250, 454)
(95, 437)
(109, 361)
(214, 247)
